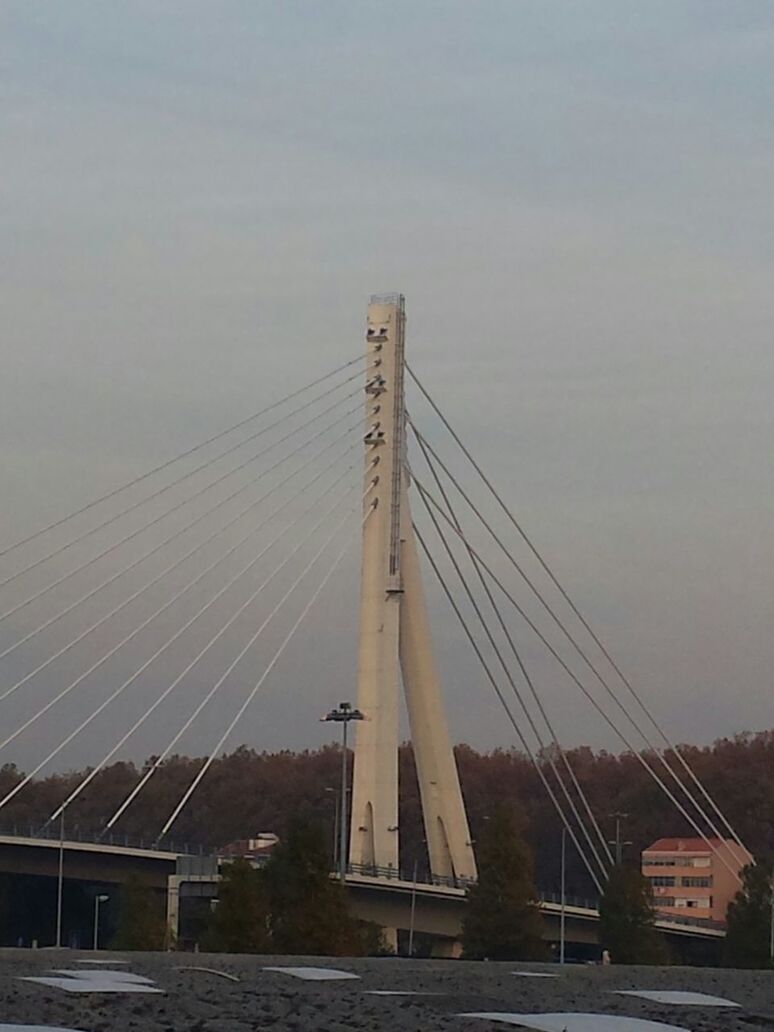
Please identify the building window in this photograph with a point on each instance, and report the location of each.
(651, 862)
(697, 882)
(662, 881)
(691, 904)
(665, 901)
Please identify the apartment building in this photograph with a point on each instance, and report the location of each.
(691, 879)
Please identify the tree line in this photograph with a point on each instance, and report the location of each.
(247, 792)
(293, 906)
(511, 820)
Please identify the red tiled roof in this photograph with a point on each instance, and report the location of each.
(683, 845)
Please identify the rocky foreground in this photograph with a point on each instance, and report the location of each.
(205, 1001)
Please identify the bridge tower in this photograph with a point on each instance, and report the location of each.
(395, 637)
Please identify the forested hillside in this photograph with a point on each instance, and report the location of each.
(247, 792)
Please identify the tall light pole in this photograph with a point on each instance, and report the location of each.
(60, 881)
(335, 826)
(413, 911)
(342, 715)
(619, 845)
(97, 900)
(562, 913)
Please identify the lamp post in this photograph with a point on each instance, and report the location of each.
(97, 900)
(342, 715)
(619, 845)
(562, 913)
(335, 826)
(413, 911)
(60, 881)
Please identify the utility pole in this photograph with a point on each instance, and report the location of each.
(413, 910)
(60, 881)
(617, 842)
(563, 914)
(342, 716)
(336, 803)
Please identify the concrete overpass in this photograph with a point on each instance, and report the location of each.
(439, 911)
(111, 863)
(29, 868)
(188, 875)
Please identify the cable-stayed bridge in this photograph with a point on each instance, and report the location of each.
(207, 570)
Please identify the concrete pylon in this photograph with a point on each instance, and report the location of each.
(395, 638)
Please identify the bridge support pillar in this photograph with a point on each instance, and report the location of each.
(446, 949)
(173, 909)
(395, 637)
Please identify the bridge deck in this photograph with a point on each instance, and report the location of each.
(379, 883)
(81, 846)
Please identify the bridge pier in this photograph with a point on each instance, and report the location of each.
(395, 638)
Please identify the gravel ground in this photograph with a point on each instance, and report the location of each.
(201, 1002)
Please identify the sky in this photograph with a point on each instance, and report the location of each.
(196, 201)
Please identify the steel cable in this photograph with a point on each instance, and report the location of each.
(495, 648)
(254, 691)
(524, 672)
(182, 530)
(576, 610)
(514, 723)
(608, 720)
(183, 455)
(657, 752)
(179, 505)
(160, 699)
(66, 691)
(216, 637)
(176, 483)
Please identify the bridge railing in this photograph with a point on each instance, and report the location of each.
(372, 871)
(453, 882)
(51, 832)
(569, 901)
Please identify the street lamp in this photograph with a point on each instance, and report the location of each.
(563, 913)
(335, 795)
(60, 879)
(342, 715)
(97, 900)
(617, 842)
(413, 908)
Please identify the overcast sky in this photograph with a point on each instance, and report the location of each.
(576, 199)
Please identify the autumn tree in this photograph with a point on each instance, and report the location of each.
(141, 923)
(502, 919)
(249, 791)
(308, 909)
(240, 920)
(748, 921)
(627, 920)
